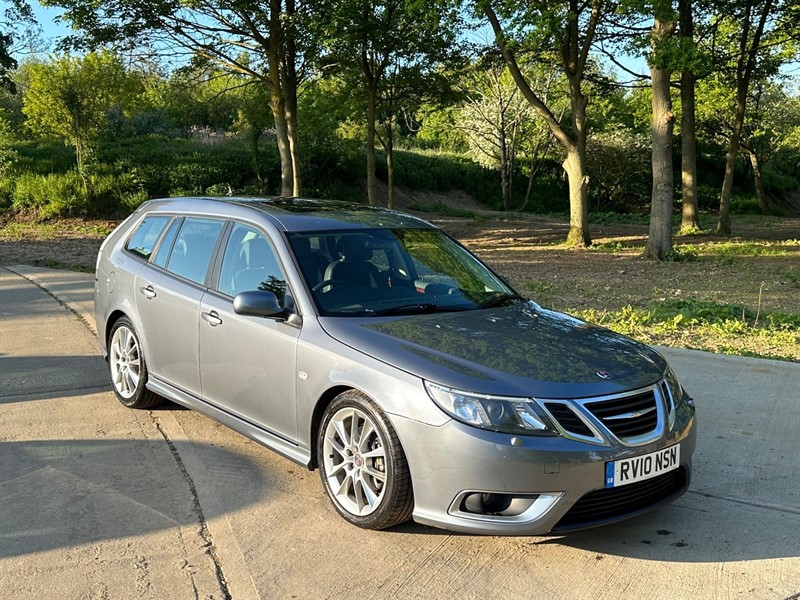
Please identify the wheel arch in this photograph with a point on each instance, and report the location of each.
(112, 318)
(316, 417)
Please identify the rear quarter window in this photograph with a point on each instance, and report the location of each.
(144, 239)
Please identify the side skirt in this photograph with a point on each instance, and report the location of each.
(276, 443)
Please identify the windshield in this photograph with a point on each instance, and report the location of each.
(380, 272)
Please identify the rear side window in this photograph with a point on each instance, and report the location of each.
(193, 248)
(165, 246)
(144, 240)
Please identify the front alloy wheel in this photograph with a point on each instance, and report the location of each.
(362, 464)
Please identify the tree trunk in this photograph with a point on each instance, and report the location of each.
(575, 167)
(81, 166)
(389, 175)
(690, 220)
(724, 220)
(275, 55)
(372, 98)
(293, 140)
(760, 194)
(284, 150)
(577, 172)
(529, 189)
(659, 241)
(748, 50)
(505, 184)
(289, 85)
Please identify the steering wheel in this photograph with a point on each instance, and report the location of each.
(328, 282)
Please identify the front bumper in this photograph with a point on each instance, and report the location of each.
(450, 462)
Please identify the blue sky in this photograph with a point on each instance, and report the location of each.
(51, 31)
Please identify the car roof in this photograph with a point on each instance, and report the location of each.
(292, 214)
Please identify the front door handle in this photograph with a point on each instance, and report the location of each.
(212, 318)
(148, 292)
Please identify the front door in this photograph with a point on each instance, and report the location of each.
(248, 363)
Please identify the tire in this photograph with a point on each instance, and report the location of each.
(128, 368)
(366, 479)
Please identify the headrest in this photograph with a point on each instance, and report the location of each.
(259, 253)
(354, 248)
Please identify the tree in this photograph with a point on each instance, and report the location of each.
(385, 43)
(17, 27)
(690, 219)
(751, 18)
(493, 116)
(773, 119)
(501, 126)
(570, 27)
(69, 97)
(252, 119)
(405, 89)
(262, 40)
(629, 31)
(659, 240)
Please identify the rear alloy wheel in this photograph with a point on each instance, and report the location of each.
(128, 368)
(362, 464)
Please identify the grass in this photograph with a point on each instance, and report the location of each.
(730, 248)
(705, 325)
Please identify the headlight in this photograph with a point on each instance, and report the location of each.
(508, 415)
(673, 386)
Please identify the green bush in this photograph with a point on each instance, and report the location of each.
(7, 185)
(778, 183)
(708, 196)
(744, 205)
(48, 196)
(43, 157)
(619, 164)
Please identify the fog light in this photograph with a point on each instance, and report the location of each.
(489, 504)
(497, 506)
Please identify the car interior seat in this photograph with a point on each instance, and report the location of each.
(354, 264)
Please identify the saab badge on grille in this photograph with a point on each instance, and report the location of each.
(604, 375)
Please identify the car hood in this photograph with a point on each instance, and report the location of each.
(521, 350)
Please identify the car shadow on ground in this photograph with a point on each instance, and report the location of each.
(30, 378)
(58, 494)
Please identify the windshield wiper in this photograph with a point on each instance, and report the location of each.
(419, 307)
(498, 300)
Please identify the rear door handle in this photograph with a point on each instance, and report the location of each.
(148, 292)
(212, 318)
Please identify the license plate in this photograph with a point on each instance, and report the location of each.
(639, 468)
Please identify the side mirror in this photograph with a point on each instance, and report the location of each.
(258, 303)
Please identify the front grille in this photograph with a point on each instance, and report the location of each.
(627, 417)
(611, 504)
(567, 418)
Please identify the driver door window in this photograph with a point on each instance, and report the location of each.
(249, 263)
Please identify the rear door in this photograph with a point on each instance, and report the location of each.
(248, 363)
(168, 294)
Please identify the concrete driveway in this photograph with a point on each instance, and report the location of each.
(97, 501)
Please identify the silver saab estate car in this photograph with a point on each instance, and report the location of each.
(370, 345)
